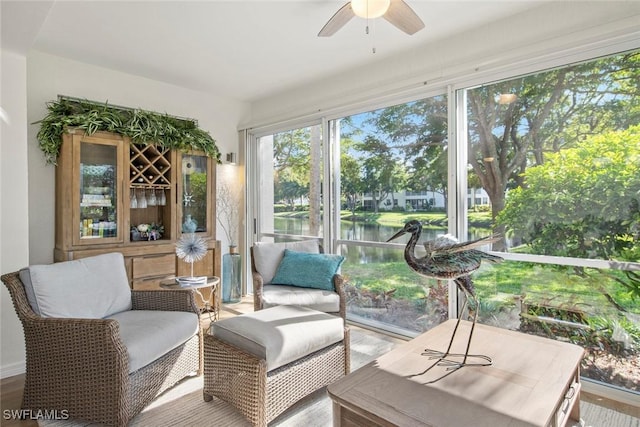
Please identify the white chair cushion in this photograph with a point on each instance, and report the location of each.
(267, 256)
(280, 335)
(316, 299)
(150, 334)
(88, 288)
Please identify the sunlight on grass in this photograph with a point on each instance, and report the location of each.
(537, 283)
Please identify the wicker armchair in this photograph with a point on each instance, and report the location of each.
(82, 365)
(265, 259)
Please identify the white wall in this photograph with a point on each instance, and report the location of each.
(555, 32)
(14, 230)
(33, 82)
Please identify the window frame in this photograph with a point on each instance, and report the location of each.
(454, 87)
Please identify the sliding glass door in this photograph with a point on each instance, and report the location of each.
(393, 168)
(290, 184)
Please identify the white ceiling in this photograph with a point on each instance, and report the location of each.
(245, 50)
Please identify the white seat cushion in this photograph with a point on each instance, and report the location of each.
(149, 334)
(316, 299)
(267, 256)
(88, 288)
(280, 335)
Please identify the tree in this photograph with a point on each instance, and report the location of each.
(297, 164)
(417, 131)
(554, 109)
(291, 155)
(582, 201)
(289, 192)
(351, 183)
(381, 173)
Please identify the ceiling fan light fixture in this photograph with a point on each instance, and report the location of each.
(397, 12)
(370, 9)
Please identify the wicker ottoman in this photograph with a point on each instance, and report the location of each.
(263, 362)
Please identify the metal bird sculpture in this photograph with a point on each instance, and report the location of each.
(446, 259)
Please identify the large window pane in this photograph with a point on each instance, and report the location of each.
(554, 159)
(393, 168)
(554, 168)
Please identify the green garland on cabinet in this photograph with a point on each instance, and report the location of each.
(143, 127)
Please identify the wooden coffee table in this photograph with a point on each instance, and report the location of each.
(533, 381)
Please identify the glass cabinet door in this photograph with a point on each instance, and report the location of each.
(97, 170)
(195, 197)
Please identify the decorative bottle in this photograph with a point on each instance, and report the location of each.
(231, 275)
(189, 225)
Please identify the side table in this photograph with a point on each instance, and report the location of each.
(210, 305)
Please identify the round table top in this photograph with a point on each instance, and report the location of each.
(212, 281)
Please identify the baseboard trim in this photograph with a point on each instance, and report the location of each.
(13, 369)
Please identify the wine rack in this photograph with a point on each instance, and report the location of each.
(150, 166)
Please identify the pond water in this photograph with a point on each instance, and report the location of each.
(365, 231)
(352, 230)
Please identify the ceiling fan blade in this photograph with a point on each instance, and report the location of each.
(403, 17)
(337, 21)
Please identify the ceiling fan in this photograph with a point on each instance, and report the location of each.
(397, 12)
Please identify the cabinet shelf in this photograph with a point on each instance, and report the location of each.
(96, 205)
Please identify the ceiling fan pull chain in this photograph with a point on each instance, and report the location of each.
(373, 38)
(373, 48)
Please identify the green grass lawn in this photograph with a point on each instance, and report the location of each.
(541, 284)
(398, 219)
(433, 219)
(382, 277)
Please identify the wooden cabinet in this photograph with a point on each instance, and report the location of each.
(115, 196)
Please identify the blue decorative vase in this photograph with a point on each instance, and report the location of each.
(231, 275)
(189, 225)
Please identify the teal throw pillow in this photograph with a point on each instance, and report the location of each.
(307, 270)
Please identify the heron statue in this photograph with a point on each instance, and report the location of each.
(446, 258)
